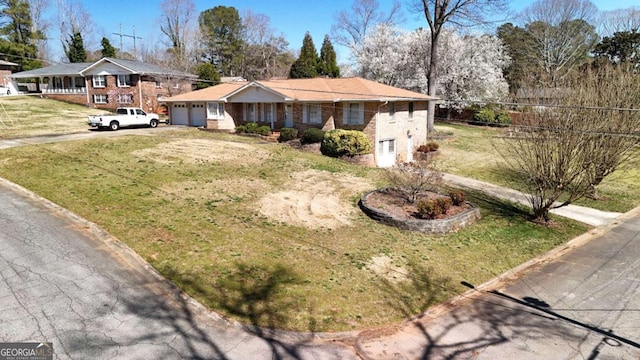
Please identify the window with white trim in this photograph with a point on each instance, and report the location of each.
(268, 112)
(312, 114)
(99, 81)
(125, 98)
(100, 98)
(215, 111)
(124, 80)
(354, 113)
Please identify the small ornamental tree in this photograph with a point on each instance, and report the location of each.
(415, 178)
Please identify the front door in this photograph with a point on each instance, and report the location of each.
(386, 153)
(288, 116)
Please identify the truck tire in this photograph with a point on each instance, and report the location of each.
(153, 123)
(114, 125)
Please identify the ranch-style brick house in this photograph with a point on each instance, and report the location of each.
(109, 83)
(394, 120)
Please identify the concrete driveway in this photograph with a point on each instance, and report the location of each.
(93, 298)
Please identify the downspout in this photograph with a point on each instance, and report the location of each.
(377, 136)
(140, 90)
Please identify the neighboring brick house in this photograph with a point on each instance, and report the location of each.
(6, 68)
(109, 83)
(394, 120)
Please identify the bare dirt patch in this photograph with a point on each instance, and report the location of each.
(384, 267)
(315, 199)
(202, 151)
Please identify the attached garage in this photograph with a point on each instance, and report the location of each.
(179, 114)
(198, 114)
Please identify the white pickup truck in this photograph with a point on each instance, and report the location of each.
(124, 116)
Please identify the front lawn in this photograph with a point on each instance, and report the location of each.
(22, 116)
(269, 235)
(471, 152)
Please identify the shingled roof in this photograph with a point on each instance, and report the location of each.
(79, 69)
(308, 90)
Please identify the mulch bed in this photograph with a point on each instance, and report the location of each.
(392, 202)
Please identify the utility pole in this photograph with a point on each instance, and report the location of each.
(134, 37)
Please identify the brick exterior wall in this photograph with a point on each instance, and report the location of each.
(150, 93)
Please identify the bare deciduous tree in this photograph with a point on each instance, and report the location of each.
(350, 28)
(39, 24)
(618, 20)
(415, 178)
(563, 152)
(73, 18)
(563, 33)
(178, 23)
(266, 54)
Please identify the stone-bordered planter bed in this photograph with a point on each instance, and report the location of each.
(388, 207)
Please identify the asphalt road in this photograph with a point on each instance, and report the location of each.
(94, 299)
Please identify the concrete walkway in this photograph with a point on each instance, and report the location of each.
(583, 214)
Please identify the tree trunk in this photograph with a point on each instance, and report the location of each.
(431, 80)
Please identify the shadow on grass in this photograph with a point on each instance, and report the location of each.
(500, 207)
(415, 292)
(255, 295)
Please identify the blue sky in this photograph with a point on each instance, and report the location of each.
(292, 18)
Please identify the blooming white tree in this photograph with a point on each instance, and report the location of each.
(470, 70)
(383, 55)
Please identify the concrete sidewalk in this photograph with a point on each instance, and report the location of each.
(583, 214)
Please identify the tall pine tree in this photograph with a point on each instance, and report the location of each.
(17, 41)
(328, 63)
(74, 49)
(107, 49)
(306, 66)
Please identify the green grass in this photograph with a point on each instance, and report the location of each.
(472, 152)
(22, 116)
(198, 222)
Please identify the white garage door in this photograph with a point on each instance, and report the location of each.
(198, 114)
(179, 114)
(386, 153)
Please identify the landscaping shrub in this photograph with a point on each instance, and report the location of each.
(458, 197)
(312, 136)
(503, 117)
(340, 142)
(251, 128)
(428, 147)
(287, 134)
(428, 209)
(484, 115)
(263, 130)
(432, 208)
(444, 203)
